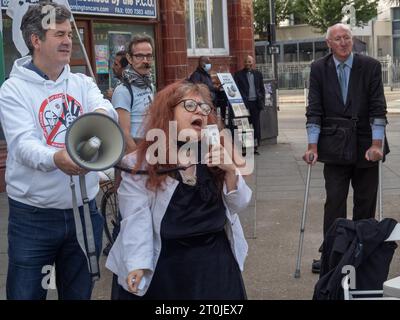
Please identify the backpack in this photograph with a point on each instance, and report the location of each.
(360, 244)
(128, 86)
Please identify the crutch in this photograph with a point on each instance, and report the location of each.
(379, 200)
(303, 219)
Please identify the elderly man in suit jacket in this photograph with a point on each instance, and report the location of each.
(251, 86)
(343, 84)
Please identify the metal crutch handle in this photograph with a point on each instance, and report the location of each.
(303, 218)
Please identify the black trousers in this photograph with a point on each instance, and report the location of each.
(337, 180)
(255, 119)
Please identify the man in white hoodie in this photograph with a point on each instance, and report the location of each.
(37, 104)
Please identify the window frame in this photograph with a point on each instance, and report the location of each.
(210, 51)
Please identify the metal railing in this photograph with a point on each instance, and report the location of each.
(390, 72)
(295, 75)
(291, 75)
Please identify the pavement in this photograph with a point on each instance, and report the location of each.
(272, 222)
(298, 97)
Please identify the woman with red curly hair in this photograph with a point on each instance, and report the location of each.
(180, 235)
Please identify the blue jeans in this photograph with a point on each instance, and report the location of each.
(39, 238)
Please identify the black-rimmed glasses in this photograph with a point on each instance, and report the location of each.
(140, 57)
(191, 106)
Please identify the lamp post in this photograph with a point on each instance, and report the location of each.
(269, 117)
(272, 39)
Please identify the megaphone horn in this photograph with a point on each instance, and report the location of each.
(95, 141)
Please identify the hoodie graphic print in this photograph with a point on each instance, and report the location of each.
(56, 114)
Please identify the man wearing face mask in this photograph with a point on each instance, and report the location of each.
(202, 75)
(251, 86)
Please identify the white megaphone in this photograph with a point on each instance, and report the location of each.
(95, 142)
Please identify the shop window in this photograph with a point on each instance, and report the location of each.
(396, 27)
(206, 27)
(262, 55)
(109, 38)
(396, 13)
(383, 46)
(396, 48)
(305, 51)
(290, 52)
(321, 49)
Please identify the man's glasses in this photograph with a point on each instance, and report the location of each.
(191, 106)
(140, 57)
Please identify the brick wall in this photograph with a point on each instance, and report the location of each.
(173, 36)
(241, 32)
(176, 64)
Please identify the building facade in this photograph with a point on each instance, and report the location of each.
(379, 38)
(182, 31)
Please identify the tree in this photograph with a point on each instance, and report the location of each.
(283, 9)
(323, 13)
(393, 2)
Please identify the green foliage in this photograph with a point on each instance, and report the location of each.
(283, 8)
(321, 14)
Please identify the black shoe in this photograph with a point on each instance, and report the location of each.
(256, 152)
(316, 266)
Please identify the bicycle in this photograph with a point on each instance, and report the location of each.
(109, 205)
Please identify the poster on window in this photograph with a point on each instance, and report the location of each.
(101, 52)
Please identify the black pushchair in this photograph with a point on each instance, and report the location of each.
(356, 255)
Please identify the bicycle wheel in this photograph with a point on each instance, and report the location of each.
(109, 210)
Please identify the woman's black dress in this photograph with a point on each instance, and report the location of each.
(196, 260)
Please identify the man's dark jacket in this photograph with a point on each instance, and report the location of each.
(365, 93)
(242, 82)
(201, 76)
(356, 243)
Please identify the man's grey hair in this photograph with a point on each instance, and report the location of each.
(139, 39)
(341, 25)
(33, 20)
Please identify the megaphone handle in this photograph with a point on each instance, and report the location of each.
(92, 264)
(93, 261)
(78, 221)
